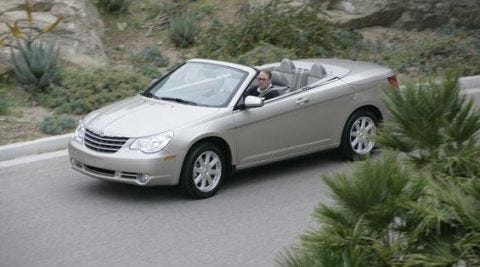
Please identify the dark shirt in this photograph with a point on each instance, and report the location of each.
(253, 90)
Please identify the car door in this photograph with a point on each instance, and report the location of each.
(282, 127)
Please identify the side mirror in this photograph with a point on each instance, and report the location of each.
(253, 102)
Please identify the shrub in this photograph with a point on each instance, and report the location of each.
(207, 8)
(3, 78)
(300, 30)
(82, 90)
(428, 54)
(386, 213)
(183, 30)
(57, 124)
(354, 230)
(264, 53)
(114, 6)
(3, 107)
(34, 61)
(35, 64)
(435, 127)
(391, 212)
(151, 55)
(149, 71)
(172, 8)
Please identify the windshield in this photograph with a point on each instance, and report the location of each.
(196, 83)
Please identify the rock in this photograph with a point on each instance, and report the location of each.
(79, 34)
(121, 26)
(119, 47)
(348, 7)
(4, 60)
(402, 14)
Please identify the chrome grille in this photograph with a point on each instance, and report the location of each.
(107, 144)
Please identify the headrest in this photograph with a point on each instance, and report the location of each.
(318, 71)
(286, 66)
(279, 79)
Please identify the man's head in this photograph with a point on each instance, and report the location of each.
(264, 79)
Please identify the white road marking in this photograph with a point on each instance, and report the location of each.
(33, 158)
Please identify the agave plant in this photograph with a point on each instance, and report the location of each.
(34, 61)
(35, 64)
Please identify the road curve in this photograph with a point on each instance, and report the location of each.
(51, 215)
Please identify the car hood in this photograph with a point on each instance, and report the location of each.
(140, 116)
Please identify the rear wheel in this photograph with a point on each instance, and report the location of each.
(358, 134)
(203, 171)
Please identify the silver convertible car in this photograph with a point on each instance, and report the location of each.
(195, 126)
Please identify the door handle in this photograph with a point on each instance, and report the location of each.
(302, 101)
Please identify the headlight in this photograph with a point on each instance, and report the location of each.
(79, 132)
(153, 143)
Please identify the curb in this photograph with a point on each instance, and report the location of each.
(28, 148)
(471, 85)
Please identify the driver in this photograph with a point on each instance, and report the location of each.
(264, 87)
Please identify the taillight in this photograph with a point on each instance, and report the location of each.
(392, 80)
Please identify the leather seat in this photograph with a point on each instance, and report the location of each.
(316, 73)
(280, 82)
(301, 78)
(287, 69)
(279, 79)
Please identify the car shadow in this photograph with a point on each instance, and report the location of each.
(129, 193)
(278, 170)
(285, 168)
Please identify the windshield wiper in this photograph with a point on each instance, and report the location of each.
(179, 100)
(149, 95)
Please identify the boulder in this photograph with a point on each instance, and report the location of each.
(401, 14)
(78, 35)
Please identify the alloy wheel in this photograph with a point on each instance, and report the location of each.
(361, 135)
(207, 171)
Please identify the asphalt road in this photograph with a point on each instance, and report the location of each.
(53, 216)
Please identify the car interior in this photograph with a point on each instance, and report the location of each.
(288, 78)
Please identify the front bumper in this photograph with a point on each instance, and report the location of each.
(126, 165)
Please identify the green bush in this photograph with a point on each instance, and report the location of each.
(57, 124)
(300, 30)
(151, 55)
(432, 54)
(3, 107)
(386, 213)
(435, 127)
(264, 53)
(150, 71)
(35, 64)
(183, 30)
(82, 90)
(207, 8)
(418, 205)
(3, 78)
(114, 6)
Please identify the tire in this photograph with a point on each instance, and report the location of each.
(199, 179)
(357, 137)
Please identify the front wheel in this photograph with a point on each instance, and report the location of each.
(358, 135)
(203, 171)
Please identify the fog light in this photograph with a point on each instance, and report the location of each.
(143, 179)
